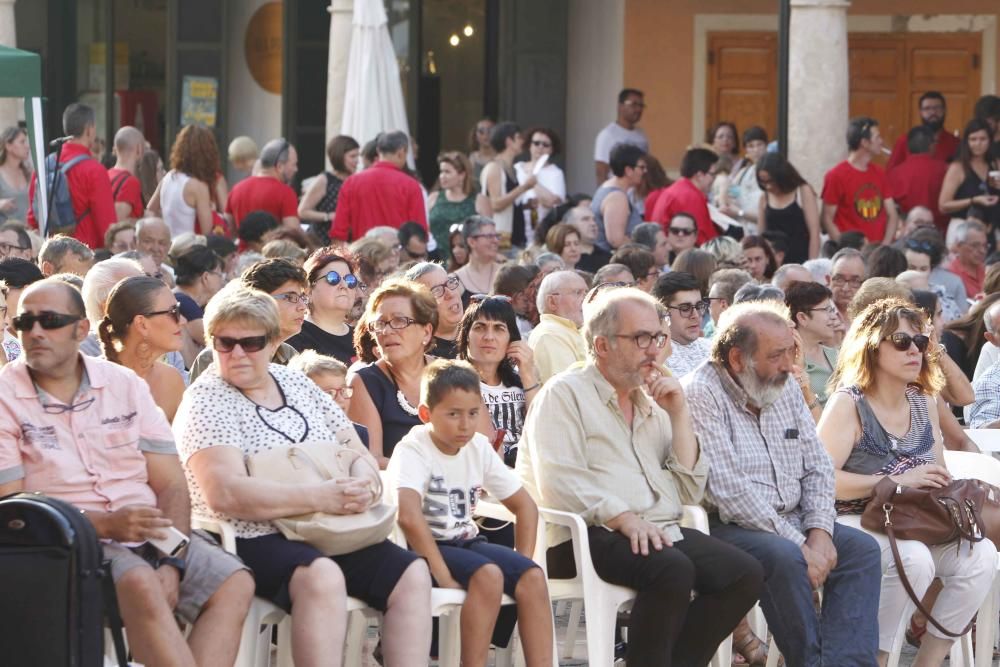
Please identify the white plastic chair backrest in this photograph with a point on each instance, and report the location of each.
(223, 529)
(696, 518)
(987, 439)
(969, 465)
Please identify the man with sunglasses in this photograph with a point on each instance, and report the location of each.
(680, 293)
(87, 431)
(612, 441)
(269, 188)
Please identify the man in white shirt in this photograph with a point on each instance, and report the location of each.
(623, 131)
(680, 293)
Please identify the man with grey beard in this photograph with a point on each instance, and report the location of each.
(770, 491)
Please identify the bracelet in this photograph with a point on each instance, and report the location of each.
(814, 404)
(532, 387)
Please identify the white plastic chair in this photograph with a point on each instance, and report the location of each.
(987, 439)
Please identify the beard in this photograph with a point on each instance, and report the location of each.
(935, 125)
(761, 392)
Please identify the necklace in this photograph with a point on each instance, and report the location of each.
(400, 396)
(476, 289)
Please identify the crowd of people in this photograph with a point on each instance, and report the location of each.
(731, 339)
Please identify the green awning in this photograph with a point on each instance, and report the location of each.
(20, 73)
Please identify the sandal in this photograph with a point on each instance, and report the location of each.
(751, 649)
(915, 633)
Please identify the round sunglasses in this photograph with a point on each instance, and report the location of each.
(350, 281)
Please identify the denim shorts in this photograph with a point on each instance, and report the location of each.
(465, 557)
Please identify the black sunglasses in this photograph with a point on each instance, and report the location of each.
(902, 341)
(350, 280)
(174, 312)
(249, 345)
(682, 231)
(47, 319)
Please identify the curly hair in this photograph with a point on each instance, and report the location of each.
(196, 154)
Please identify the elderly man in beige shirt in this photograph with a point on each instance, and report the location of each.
(556, 341)
(613, 441)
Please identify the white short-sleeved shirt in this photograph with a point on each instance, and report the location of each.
(615, 134)
(214, 413)
(449, 486)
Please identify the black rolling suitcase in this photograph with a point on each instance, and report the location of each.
(55, 589)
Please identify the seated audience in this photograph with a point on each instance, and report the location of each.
(771, 492)
(564, 240)
(847, 273)
(699, 264)
(448, 295)
(143, 323)
(814, 318)
(402, 316)
(198, 273)
(578, 454)
(253, 228)
(614, 273)
(16, 274)
(334, 291)
(152, 236)
(760, 261)
(969, 249)
(243, 405)
(640, 262)
(722, 288)
(790, 273)
(512, 281)
(592, 257)
(556, 341)
(330, 375)
(413, 241)
(985, 411)
(64, 254)
(883, 421)
(131, 492)
(483, 242)
(652, 236)
(682, 296)
(445, 459)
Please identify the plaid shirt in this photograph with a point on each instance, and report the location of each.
(986, 408)
(768, 473)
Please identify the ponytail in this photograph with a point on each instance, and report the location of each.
(108, 338)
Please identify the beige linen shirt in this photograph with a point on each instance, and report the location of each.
(556, 344)
(577, 454)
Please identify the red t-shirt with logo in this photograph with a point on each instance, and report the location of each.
(860, 199)
(127, 189)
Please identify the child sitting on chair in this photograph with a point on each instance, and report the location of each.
(437, 473)
(330, 375)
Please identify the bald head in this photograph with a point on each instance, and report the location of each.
(992, 319)
(152, 237)
(56, 291)
(129, 147)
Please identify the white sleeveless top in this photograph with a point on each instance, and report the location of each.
(178, 215)
(504, 219)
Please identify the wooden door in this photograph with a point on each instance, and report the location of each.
(743, 80)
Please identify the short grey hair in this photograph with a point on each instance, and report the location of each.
(546, 258)
(99, 282)
(603, 313)
(757, 293)
(550, 284)
(55, 249)
(963, 228)
(421, 269)
(729, 282)
(605, 273)
(572, 214)
(390, 143)
(274, 153)
(149, 221)
(737, 327)
(846, 253)
(990, 318)
(376, 232)
(238, 303)
(645, 234)
(820, 268)
(473, 225)
(780, 278)
(312, 362)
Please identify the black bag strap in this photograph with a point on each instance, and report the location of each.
(118, 183)
(890, 533)
(113, 616)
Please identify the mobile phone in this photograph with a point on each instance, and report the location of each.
(172, 544)
(499, 438)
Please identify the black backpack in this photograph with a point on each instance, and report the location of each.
(55, 586)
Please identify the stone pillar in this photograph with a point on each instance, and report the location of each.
(8, 106)
(341, 16)
(818, 88)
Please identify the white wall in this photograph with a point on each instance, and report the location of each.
(595, 72)
(253, 111)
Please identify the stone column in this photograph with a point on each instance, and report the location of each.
(818, 87)
(8, 106)
(341, 16)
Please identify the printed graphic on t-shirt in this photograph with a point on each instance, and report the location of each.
(506, 411)
(868, 201)
(458, 504)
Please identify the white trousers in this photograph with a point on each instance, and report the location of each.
(967, 574)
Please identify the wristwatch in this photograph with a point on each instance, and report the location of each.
(176, 563)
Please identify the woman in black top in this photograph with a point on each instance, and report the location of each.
(788, 205)
(334, 291)
(319, 205)
(967, 183)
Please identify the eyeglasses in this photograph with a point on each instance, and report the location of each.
(685, 309)
(350, 281)
(293, 298)
(395, 323)
(249, 344)
(173, 311)
(483, 129)
(344, 392)
(542, 144)
(831, 311)
(479, 298)
(217, 273)
(975, 245)
(59, 409)
(653, 272)
(158, 275)
(7, 248)
(644, 340)
(840, 281)
(491, 237)
(47, 319)
(451, 284)
(902, 341)
(682, 231)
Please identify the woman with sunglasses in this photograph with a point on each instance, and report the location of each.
(883, 421)
(243, 405)
(402, 316)
(198, 274)
(447, 291)
(142, 324)
(489, 339)
(453, 200)
(335, 289)
(550, 189)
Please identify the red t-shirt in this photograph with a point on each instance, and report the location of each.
(383, 194)
(917, 182)
(90, 190)
(945, 149)
(860, 198)
(127, 189)
(262, 193)
(683, 196)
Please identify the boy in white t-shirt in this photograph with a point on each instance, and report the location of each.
(437, 473)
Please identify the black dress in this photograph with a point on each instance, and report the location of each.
(792, 221)
(973, 186)
(312, 337)
(385, 394)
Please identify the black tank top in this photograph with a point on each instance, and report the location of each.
(517, 237)
(792, 221)
(973, 186)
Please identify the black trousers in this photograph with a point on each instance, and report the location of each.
(668, 628)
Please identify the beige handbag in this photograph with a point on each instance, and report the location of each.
(314, 463)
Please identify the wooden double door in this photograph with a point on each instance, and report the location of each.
(888, 72)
